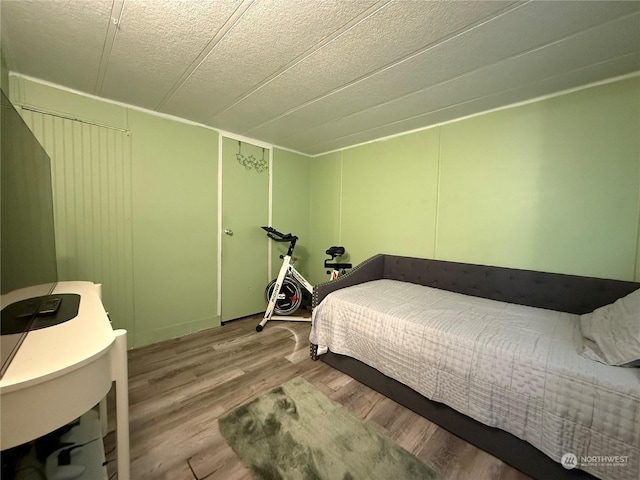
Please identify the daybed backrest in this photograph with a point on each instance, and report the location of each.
(370, 269)
(565, 293)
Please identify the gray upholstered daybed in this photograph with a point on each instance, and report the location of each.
(495, 355)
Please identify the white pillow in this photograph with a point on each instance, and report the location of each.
(612, 332)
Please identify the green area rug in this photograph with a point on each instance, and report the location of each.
(295, 432)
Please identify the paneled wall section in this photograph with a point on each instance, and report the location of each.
(91, 176)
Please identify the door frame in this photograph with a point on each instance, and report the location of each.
(269, 148)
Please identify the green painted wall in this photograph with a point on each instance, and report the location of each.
(4, 74)
(290, 207)
(175, 180)
(553, 185)
(397, 215)
(549, 186)
(27, 93)
(325, 199)
(174, 211)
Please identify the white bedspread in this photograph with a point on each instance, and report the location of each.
(508, 366)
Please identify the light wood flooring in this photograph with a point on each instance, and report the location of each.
(179, 388)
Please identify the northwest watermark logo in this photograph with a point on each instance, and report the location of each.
(570, 460)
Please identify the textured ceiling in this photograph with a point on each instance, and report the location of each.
(318, 75)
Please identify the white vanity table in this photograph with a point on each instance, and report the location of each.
(61, 372)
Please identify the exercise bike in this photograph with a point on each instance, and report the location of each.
(285, 293)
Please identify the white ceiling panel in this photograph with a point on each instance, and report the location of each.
(59, 41)
(391, 34)
(266, 39)
(155, 43)
(318, 75)
(479, 47)
(612, 40)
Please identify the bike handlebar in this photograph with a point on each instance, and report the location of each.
(277, 236)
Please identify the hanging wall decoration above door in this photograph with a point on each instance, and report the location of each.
(251, 162)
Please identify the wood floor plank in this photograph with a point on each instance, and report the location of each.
(179, 388)
(217, 460)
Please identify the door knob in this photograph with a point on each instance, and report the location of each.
(228, 232)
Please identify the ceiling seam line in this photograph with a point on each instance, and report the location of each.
(229, 24)
(490, 110)
(307, 53)
(389, 66)
(466, 74)
(112, 31)
(104, 46)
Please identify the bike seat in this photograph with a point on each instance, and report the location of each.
(335, 251)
